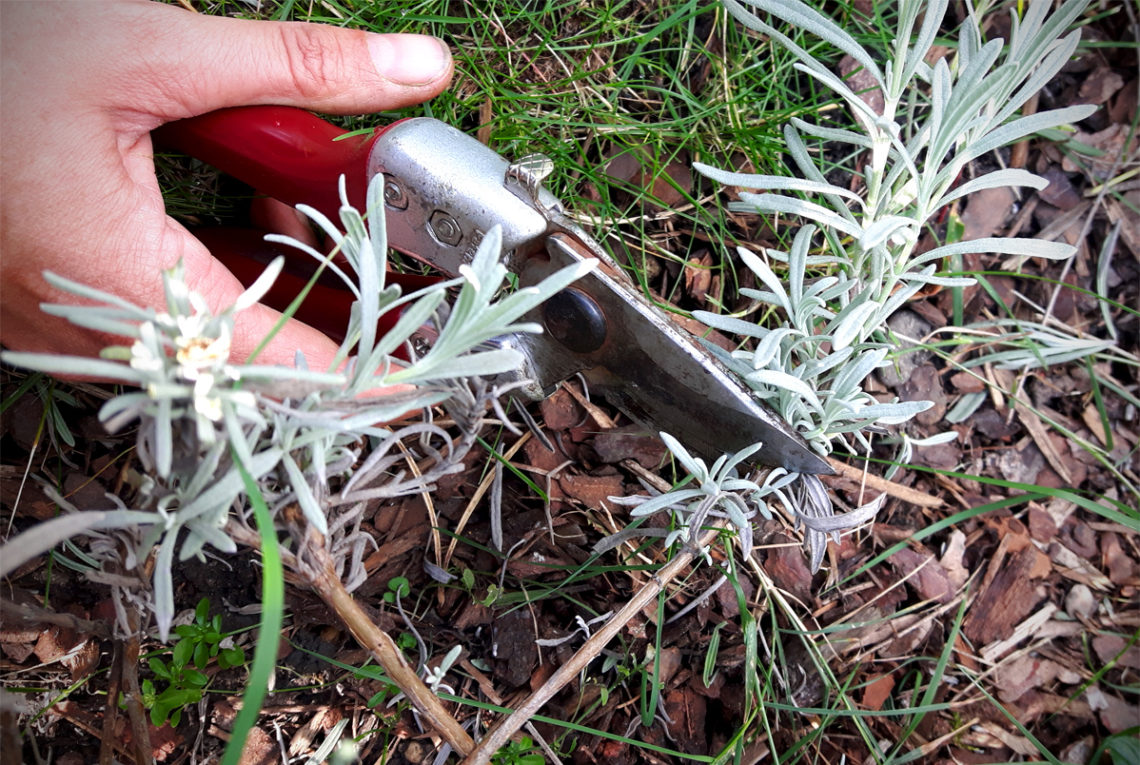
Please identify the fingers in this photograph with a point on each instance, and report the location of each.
(156, 60)
(231, 62)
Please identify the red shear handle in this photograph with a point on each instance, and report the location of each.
(288, 153)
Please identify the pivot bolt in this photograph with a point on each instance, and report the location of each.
(575, 320)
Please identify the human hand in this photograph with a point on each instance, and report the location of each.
(82, 86)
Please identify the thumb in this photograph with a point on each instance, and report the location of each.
(225, 62)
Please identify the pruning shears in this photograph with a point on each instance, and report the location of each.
(443, 190)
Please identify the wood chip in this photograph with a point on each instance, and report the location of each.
(877, 691)
(1040, 435)
(1025, 630)
(1072, 566)
(952, 559)
(1011, 595)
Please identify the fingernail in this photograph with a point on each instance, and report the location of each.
(409, 59)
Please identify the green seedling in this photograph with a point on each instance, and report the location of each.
(520, 752)
(184, 673)
(201, 641)
(184, 687)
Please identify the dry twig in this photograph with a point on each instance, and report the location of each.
(498, 736)
(890, 488)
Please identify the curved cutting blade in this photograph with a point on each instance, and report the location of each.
(645, 365)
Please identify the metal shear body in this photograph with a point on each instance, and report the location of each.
(443, 191)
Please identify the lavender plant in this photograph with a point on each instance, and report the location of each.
(935, 119)
(299, 432)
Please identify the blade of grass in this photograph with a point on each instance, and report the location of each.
(269, 628)
(932, 687)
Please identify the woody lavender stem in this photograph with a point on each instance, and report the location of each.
(313, 564)
(328, 585)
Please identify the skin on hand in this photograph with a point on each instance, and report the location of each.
(82, 86)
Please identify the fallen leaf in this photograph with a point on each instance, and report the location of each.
(1099, 86)
(951, 560)
(667, 179)
(1115, 714)
(1123, 107)
(54, 643)
(1021, 465)
(966, 382)
(877, 691)
(1019, 744)
(669, 661)
(909, 329)
(698, 277)
(925, 384)
(1054, 451)
(992, 425)
(82, 659)
(1110, 142)
(1060, 192)
(1079, 751)
(694, 327)
(1014, 678)
(1109, 647)
(1119, 565)
(986, 212)
(1090, 416)
(17, 651)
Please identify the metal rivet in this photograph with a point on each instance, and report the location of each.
(575, 320)
(394, 195)
(445, 228)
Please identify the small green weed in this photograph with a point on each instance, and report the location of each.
(183, 675)
(520, 752)
(201, 641)
(184, 687)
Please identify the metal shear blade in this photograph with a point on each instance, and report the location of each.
(646, 366)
